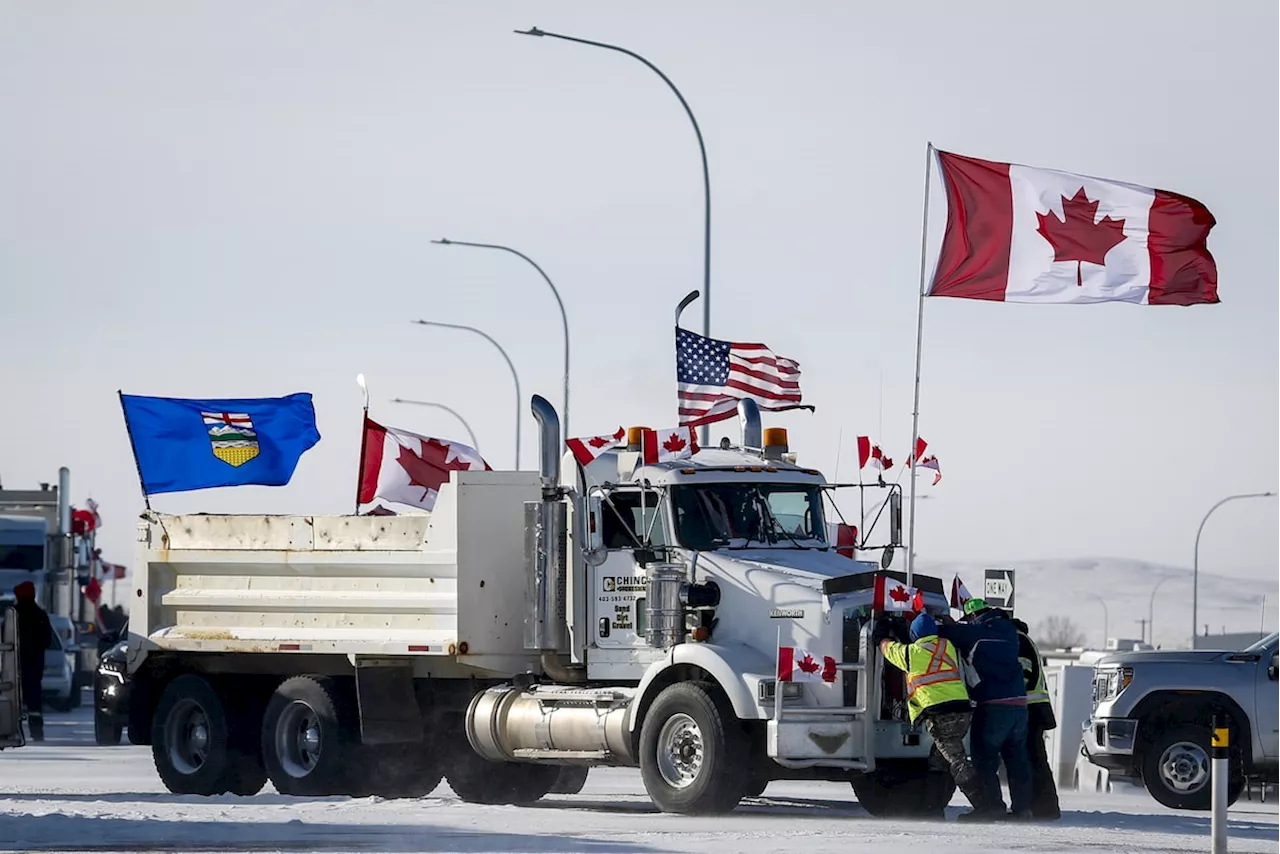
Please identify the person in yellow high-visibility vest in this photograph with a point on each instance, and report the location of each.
(937, 696)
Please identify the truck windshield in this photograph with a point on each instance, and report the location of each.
(1262, 643)
(739, 515)
(21, 557)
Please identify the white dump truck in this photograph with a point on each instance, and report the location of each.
(627, 613)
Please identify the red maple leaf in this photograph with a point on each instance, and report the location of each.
(599, 441)
(675, 443)
(1077, 237)
(807, 664)
(899, 594)
(428, 471)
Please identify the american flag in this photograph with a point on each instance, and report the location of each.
(712, 376)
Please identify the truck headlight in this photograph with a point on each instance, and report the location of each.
(790, 690)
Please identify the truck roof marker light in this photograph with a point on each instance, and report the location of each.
(688, 471)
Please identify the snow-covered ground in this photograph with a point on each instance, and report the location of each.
(71, 795)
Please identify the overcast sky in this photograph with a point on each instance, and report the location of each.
(219, 199)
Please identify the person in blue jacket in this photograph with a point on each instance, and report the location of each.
(988, 640)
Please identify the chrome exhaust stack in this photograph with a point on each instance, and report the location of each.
(749, 418)
(545, 542)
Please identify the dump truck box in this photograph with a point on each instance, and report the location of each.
(451, 583)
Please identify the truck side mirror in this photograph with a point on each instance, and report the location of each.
(593, 524)
(1272, 669)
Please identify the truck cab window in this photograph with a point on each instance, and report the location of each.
(626, 521)
(737, 514)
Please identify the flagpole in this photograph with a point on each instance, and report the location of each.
(142, 484)
(363, 433)
(915, 411)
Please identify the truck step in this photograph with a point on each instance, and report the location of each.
(532, 753)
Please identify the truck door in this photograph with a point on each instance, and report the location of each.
(630, 518)
(10, 681)
(1268, 713)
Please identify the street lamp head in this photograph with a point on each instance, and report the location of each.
(532, 31)
(444, 241)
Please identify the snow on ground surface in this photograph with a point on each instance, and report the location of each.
(70, 795)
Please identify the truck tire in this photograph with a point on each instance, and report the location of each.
(904, 790)
(570, 780)
(105, 732)
(191, 743)
(395, 771)
(476, 780)
(305, 747)
(1176, 769)
(693, 752)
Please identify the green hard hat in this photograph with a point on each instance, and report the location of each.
(972, 606)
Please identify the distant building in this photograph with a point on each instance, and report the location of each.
(1232, 640)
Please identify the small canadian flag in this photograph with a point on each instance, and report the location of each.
(586, 448)
(800, 665)
(891, 595)
(677, 443)
(959, 593)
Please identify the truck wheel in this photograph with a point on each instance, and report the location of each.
(1175, 770)
(395, 771)
(570, 780)
(190, 741)
(304, 746)
(904, 792)
(478, 781)
(104, 731)
(692, 751)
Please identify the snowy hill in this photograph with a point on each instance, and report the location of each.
(1070, 587)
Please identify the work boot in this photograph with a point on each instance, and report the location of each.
(35, 723)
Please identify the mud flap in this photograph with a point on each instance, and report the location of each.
(388, 704)
(10, 680)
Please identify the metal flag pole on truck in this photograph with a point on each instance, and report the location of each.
(915, 409)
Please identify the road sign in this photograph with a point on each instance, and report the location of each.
(998, 588)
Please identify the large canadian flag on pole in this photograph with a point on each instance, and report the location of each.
(1022, 234)
(406, 468)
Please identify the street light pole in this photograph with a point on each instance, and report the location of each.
(706, 175)
(1195, 557)
(474, 444)
(564, 318)
(514, 376)
(1151, 606)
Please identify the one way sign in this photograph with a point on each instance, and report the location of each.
(998, 588)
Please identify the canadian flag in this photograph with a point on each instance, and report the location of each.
(800, 665)
(406, 468)
(932, 463)
(959, 593)
(111, 570)
(891, 595)
(1023, 234)
(869, 453)
(586, 448)
(660, 446)
(921, 444)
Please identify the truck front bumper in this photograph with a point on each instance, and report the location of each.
(1108, 743)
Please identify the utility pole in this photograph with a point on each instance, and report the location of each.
(1143, 631)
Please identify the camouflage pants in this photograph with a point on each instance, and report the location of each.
(947, 731)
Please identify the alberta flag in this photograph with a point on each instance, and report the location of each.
(182, 444)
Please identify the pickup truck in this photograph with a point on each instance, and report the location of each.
(1152, 712)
